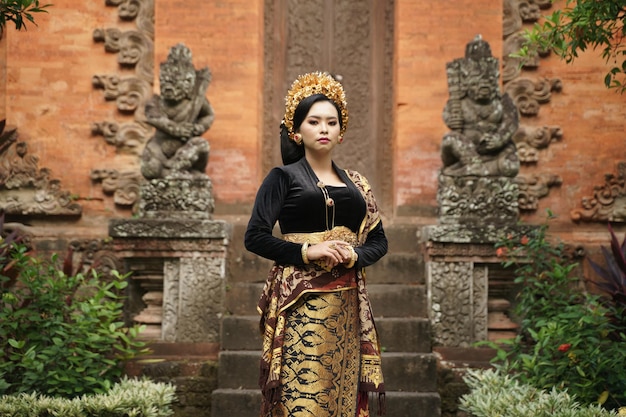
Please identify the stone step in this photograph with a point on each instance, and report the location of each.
(397, 268)
(247, 403)
(387, 300)
(235, 403)
(396, 334)
(398, 300)
(411, 372)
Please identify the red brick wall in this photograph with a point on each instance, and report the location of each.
(52, 102)
(227, 37)
(430, 34)
(593, 119)
(50, 98)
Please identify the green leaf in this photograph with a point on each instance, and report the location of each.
(17, 344)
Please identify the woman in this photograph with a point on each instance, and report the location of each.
(321, 355)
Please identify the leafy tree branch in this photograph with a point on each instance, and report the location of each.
(20, 12)
(580, 25)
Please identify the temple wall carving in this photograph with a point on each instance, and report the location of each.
(134, 51)
(608, 202)
(529, 94)
(25, 188)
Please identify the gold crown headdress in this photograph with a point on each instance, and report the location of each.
(315, 83)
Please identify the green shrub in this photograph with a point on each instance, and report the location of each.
(62, 332)
(568, 338)
(128, 398)
(493, 393)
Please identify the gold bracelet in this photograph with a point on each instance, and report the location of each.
(355, 256)
(305, 247)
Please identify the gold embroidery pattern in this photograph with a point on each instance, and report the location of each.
(371, 369)
(320, 373)
(336, 233)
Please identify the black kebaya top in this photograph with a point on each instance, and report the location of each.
(290, 195)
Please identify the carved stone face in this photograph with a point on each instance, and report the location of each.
(483, 89)
(176, 85)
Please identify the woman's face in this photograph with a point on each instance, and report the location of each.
(320, 128)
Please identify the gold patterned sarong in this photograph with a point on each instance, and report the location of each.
(320, 371)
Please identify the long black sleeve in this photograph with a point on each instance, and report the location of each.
(374, 248)
(267, 206)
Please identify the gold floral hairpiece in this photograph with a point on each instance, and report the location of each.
(315, 83)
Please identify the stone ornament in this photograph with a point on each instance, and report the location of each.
(124, 186)
(177, 198)
(134, 49)
(128, 92)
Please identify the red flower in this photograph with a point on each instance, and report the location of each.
(501, 251)
(565, 347)
(524, 240)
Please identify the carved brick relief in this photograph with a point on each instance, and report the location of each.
(608, 202)
(97, 254)
(123, 186)
(534, 187)
(129, 90)
(528, 94)
(26, 189)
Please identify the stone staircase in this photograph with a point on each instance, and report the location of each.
(398, 294)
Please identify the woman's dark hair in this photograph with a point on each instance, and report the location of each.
(290, 151)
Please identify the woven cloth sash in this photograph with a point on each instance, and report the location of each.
(336, 233)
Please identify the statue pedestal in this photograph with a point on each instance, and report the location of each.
(469, 292)
(178, 271)
(177, 198)
(477, 200)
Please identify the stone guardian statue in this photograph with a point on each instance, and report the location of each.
(480, 161)
(181, 114)
(175, 158)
